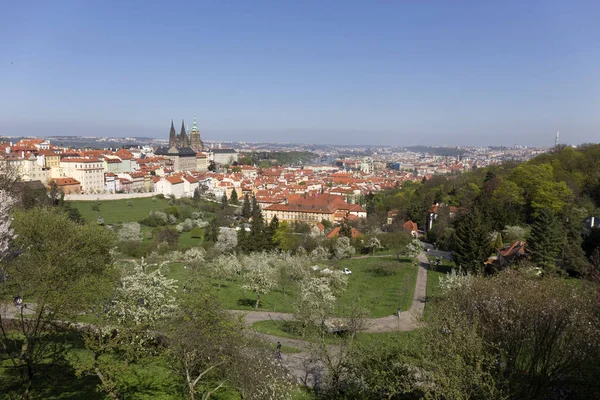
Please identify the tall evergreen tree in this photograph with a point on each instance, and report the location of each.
(224, 201)
(234, 197)
(246, 209)
(545, 240)
(242, 239)
(572, 256)
(212, 231)
(256, 211)
(472, 246)
(345, 229)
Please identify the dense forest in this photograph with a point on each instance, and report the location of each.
(544, 201)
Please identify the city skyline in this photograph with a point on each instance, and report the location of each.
(351, 72)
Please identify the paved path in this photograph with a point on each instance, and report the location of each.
(408, 320)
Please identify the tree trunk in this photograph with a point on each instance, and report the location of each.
(111, 393)
(257, 301)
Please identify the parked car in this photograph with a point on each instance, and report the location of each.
(347, 271)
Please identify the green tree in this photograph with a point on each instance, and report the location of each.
(246, 207)
(224, 202)
(234, 197)
(212, 231)
(204, 340)
(64, 268)
(545, 240)
(472, 245)
(345, 229)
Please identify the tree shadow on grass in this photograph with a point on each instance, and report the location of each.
(53, 381)
(381, 271)
(246, 302)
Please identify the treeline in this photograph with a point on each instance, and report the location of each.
(543, 201)
(273, 158)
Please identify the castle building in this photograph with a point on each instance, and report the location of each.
(180, 151)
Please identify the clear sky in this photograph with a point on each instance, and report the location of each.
(396, 72)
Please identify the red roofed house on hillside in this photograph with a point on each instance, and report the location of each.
(411, 227)
(509, 255)
(335, 232)
(170, 185)
(67, 185)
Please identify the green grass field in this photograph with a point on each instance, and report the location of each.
(117, 211)
(379, 285)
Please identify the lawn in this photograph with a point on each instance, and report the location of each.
(118, 211)
(379, 285)
(186, 241)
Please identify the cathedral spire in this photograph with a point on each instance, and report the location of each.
(172, 136)
(183, 138)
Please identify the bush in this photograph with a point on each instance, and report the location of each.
(197, 233)
(135, 248)
(173, 210)
(166, 235)
(160, 196)
(155, 218)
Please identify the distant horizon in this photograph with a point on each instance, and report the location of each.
(250, 141)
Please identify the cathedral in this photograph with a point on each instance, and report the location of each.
(183, 140)
(183, 150)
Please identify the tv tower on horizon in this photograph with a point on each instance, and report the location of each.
(556, 140)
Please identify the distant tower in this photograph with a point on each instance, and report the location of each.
(172, 136)
(556, 140)
(195, 141)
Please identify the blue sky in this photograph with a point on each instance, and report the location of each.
(372, 72)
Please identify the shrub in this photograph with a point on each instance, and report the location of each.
(155, 218)
(135, 249)
(166, 235)
(173, 210)
(197, 233)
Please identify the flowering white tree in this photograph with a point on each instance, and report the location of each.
(319, 253)
(142, 299)
(374, 244)
(224, 267)
(343, 248)
(456, 279)
(260, 277)
(126, 328)
(318, 295)
(290, 269)
(130, 231)
(194, 257)
(227, 240)
(6, 232)
(413, 249)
